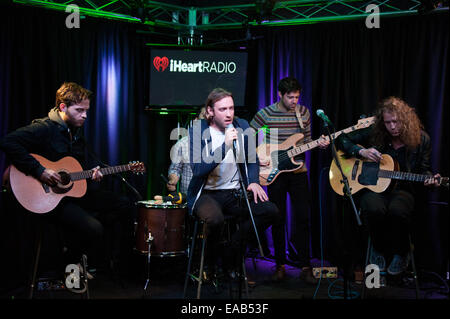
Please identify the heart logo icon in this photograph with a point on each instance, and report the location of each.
(161, 63)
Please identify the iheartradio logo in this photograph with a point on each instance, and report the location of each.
(161, 63)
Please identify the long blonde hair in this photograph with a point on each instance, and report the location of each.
(411, 126)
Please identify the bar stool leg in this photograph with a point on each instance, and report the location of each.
(413, 263)
(244, 273)
(191, 254)
(36, 262)
(363, 292)
(202, 260)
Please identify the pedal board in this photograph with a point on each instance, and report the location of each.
(325, 272)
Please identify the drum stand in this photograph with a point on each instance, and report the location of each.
(149, 254)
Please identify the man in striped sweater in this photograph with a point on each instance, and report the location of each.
(280, 121)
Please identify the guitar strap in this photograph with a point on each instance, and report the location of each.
(302, 128)
(299, 117)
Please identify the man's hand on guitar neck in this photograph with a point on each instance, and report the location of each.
(323, 142)
(97, 176)
(50, 177)
(433, 181)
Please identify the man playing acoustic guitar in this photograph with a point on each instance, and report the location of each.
(57, 136)
(398, 132)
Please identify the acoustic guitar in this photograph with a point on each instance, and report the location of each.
(38, 197)
(281, 157)
(371, 175)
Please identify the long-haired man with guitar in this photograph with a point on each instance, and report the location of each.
(398, 134)
(58, 137)
(284, 120)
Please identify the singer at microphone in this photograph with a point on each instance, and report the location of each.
(233, 136)
(218, 177)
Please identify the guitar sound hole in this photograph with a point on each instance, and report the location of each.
(65, 178)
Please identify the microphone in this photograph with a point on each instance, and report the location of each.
(234, 141)
(320, 113)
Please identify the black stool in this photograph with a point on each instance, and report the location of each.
(228, 221)
(413, 264)
(37, 254)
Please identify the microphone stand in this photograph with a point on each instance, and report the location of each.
(244, 191)
(134, 190)
(241, 244)
(348, 194)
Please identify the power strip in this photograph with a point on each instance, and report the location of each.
(326, 272)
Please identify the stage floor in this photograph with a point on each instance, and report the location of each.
(167, 280)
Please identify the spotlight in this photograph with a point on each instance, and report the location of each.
(429, 5)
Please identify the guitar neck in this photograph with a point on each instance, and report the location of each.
(75, 176)
(404, 176)
(311, 145)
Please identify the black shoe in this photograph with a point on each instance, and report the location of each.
(306, 275)
(280, 273)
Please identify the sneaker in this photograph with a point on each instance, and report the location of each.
(306, 275)
(398, 265)
(377, 259)
(280, 273)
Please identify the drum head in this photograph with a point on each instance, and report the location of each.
(153, 204)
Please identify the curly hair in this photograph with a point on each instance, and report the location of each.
(411, 126)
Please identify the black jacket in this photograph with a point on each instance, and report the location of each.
(202, 157)
(417, 160)
(49, 137)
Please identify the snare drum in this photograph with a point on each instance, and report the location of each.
(165, 223)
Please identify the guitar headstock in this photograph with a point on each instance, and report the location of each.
(137, 167)
(365, 122)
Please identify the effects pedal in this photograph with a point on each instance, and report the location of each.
(325, 272)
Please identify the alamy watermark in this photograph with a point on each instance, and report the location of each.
(73, 276)
(73, 19)
(372, 272)
(203, 149)
(373, 19)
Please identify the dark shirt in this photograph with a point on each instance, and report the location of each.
(49, 137)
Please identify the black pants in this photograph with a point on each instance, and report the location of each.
(299, 242)
(388, 216)
(84, 219)
(212, 206)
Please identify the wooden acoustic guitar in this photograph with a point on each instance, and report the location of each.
(281, 157)
(38, 197)
(371, 175)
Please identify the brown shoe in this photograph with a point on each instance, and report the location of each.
(306, 275)
(279, 274)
